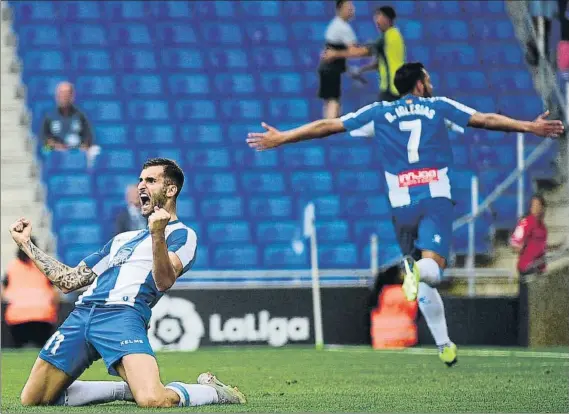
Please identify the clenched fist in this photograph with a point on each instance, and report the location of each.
(158, 220)
(21, 231)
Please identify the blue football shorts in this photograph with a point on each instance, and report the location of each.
(92, 332)
(426, 225)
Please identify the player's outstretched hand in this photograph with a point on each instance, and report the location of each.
(21, 231)
(158, 220)
(265, 140)
(546, 128)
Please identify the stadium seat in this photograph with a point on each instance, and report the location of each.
(43, 61)
(223, 208)
(87, 60)
(365, 206)
(246, 159)
(236, 256)
(72, 209)
(303, 157)
(182, 59)
(155, 134)
(72, 11)
(90, 86)
(116, 160)
(262, 183)
(229, 232)
(282, 231)
(221, 183)
(270, 207)
(338, 256)
(71, 161)
(217, 159)
(142, 85)
(358, 181)
(200, 134)
(325, 205)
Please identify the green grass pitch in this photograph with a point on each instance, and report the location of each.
(352, 379)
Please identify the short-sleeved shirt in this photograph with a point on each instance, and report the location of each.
(124, 267)
(72, 128)
(412, 134)
(339, 35)
(390, 52)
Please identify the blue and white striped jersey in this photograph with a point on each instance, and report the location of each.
(124, 267)
(412, 133)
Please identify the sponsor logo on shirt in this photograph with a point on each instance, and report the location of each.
(414, 178)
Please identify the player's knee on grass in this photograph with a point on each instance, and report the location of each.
(44, 384)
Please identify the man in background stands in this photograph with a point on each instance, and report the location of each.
(129, 218)
(339, 36)
(388, 52)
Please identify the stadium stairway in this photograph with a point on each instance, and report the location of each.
(21, 190)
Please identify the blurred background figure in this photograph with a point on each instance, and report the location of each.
(66, 126)
(529, 239)
(388, 53)
(548, 10)
(339, 36)
(32, 302)
(129, 218)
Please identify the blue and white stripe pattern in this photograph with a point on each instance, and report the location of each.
(124, 267)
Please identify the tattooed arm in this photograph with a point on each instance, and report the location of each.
(66, 278)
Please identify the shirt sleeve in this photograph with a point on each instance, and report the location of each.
(455, 112)
(87, 132)
(184, 243)
(519, 235)
(45, 131)
(362, 122)
(98, 262)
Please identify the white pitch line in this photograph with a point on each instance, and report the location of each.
(461, 352)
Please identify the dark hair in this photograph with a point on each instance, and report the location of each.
(172, 171)
(387, 11)
(23, 256)
(539, 198)
(340, 3)
(407, 76)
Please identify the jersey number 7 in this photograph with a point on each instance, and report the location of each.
(414, 127)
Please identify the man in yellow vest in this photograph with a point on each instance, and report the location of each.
(388, 52)
(32, 302)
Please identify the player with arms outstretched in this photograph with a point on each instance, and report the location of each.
(126, 277)
(412, 133)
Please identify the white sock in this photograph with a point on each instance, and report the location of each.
(94, 392)
(430, 271)
(433, 310)
(192, 395)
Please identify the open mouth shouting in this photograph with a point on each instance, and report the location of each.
(144, 201)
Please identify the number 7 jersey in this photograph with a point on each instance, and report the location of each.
(415, 149)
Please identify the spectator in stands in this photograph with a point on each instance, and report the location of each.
(530, 238)
(130, 218)
(67, 127)
(32, 302)
(388, 52)
(339, 36)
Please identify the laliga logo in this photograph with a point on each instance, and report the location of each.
(175, 324)
(275, 331)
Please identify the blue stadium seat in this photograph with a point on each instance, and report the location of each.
(246, 159)
(182, 59)
(332, 231)
(245, 109)
(482, 8)
(504, 209)
(281, 83)
(44, 86)
(221, 33)
(503, 156)
(111, 135)
(202, 134)
(304, 9)
(266, 33)
(454, 30)
(73, 11)
(280, 231)
(284, 257)
(461, 155)
(116, 160)
(490, 30)
(109, 207)
(313, 182)
(202, 259)
(227, 58)
(68, 185)
(186, 210)
(43, 61)
(33, 12)
(148, 110)
(125, 11)
(453, 54)
(92, 35)
(465, 80)
(102, 111)
(175, 34)
(70, 234)
(325, 205)
(382, 227)
(173, 10)
(273, 58)
(352, 156)
(114, 184)
(130, 34)
(270, 207)
(309, 31)
(215, 183)
(238, 256)
(188, 84)
(99, 85)
(267, 8)
(71, 209)
(237, 133)
(509, 54)
(142, 84)
(431, 8)
(294, 109)
(154, 134)
(90, 60)
(229, 232)
(195, 109)
(338, 256)
(358, 181)
(263, 182)
(508, 80)
(303, 156)
(361, 206)
(38, 36)
(73, 255)
(224, 207)
(64, 161)
(208, 158)
(135, 60)
(235, 83)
